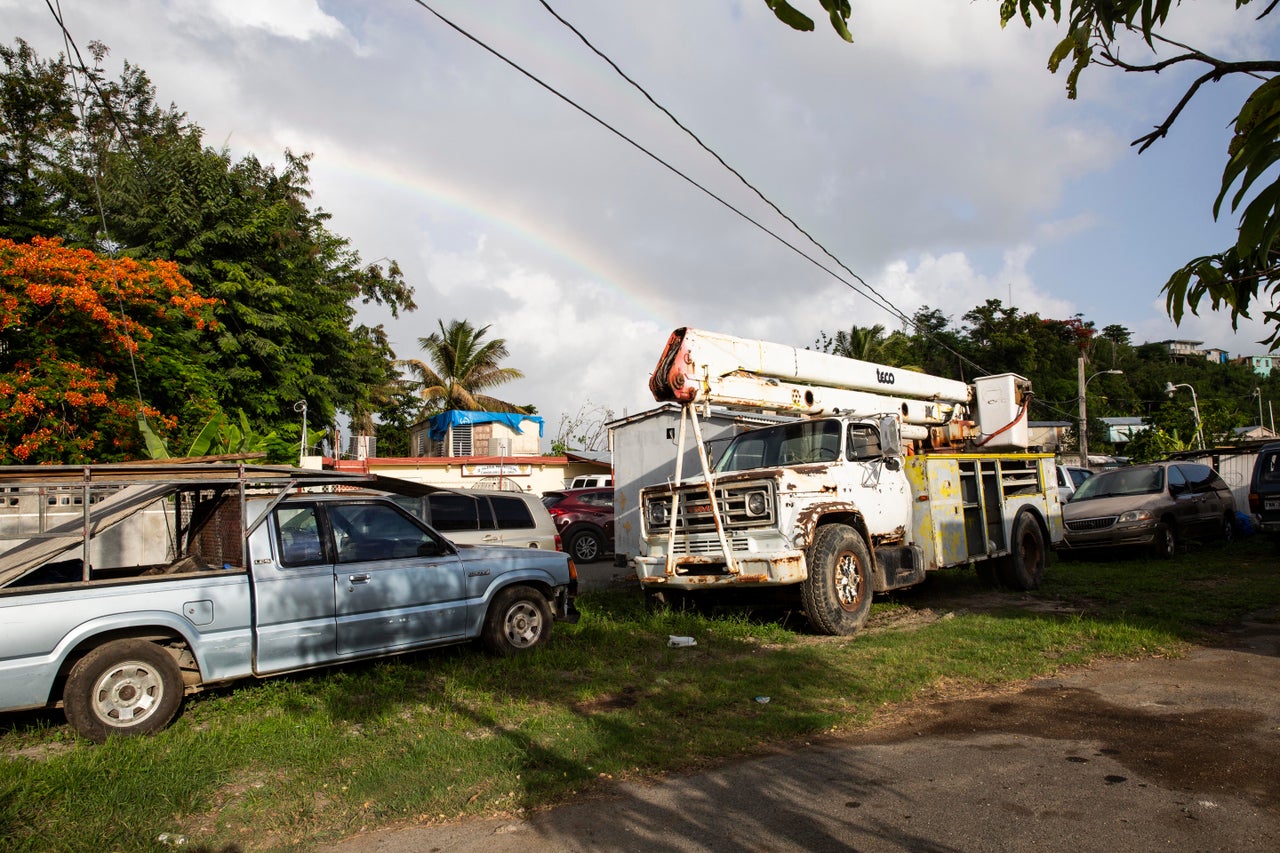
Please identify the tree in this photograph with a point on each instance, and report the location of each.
(462, 366)
(587, 429)
(73, 326)
(241, 232)
(36, 112)
(1099, 32)
(862, 343)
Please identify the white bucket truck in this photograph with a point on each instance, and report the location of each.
(883, 476)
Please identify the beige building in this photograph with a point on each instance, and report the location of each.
(479, 450)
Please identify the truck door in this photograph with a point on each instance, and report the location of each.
(294, 619)
(884, 499)
(396, 582)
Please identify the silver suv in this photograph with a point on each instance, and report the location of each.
(487, 517)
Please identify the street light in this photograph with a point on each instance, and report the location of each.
(301, 406)
(1084, 421)
(1171, 389)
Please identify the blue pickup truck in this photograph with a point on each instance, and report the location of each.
(125, 587)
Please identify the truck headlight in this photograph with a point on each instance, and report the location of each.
(657, 513)
(757, 504)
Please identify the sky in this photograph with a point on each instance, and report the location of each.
(936, 157)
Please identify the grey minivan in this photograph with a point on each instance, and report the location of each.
(1156, 506)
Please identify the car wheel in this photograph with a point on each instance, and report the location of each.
(129, 687)
(1024, 567)
(519, 619)
(1229, 528)
(1165, 544)
(837, 592)
(586, 546)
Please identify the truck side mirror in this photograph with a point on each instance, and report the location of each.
(890, 437)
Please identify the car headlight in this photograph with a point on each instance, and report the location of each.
(1134, 515)
(657, 513)
(757, 504)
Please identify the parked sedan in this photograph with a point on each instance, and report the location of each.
(1155, 506)
(584, 519)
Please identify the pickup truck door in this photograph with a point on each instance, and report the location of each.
(294, 622)
(396, 582)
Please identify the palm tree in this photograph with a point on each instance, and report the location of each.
(461, 366)
(863, 343)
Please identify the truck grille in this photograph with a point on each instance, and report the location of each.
(1092, 523)
(695, 509)
(707, 544)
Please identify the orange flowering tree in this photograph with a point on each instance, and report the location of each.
(76, 329)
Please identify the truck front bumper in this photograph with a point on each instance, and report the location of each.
(699, 571)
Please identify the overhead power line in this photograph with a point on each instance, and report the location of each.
(862, 288)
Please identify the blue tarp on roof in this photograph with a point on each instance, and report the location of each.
(440, 423)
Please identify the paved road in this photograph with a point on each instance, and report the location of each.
(1143, 755)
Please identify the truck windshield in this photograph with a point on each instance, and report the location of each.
(796, 443)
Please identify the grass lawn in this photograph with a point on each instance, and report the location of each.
(293, 762)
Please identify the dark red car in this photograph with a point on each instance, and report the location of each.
(584, 519)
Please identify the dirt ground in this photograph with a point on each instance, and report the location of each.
(1155, 754)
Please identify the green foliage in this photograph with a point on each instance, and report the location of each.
(837, 12)
(240, 231)
(220, 436)
(1247, 272)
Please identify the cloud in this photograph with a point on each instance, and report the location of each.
(294, 19)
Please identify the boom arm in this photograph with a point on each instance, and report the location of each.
(699, 366)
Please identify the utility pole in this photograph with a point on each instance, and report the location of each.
(1084, 423)
(1084, 420)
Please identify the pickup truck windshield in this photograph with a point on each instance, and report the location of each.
(798, 443)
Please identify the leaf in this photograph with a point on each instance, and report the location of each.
(838, 11)
(1061, 52)
(790, 15)
(208, 437)
(155, 445)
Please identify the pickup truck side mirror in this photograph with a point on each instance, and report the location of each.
(431, 548)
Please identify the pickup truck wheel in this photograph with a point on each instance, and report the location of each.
(586, 546)
(129, 687)
(519, 619)
(1024, 567)
(837, 592)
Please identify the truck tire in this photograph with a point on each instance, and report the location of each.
(1023, 569)
(586, 546)
(519, 620)
(837, 592)
(127, 687)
